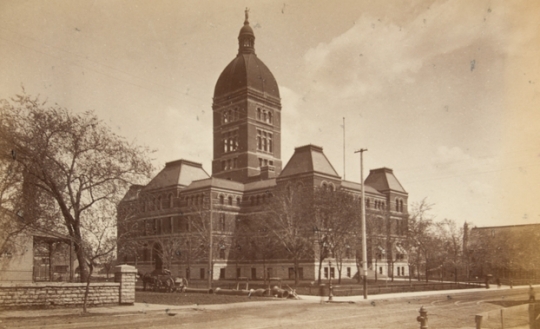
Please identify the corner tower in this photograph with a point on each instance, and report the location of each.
(247, 116)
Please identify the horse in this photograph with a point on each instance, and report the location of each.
(147, 279)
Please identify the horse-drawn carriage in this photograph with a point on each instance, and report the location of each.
(162, 280)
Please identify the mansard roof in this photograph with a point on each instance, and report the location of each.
(133, 193)
(177, 173)
(308, 159)
(383, 179)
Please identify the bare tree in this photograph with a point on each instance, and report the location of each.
(288, 218)
(76, 161)
(451, 237)
(338, 219)
(202, 228)
(420, 243)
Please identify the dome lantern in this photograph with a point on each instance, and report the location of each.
(246, 38)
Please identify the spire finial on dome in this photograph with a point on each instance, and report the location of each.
(246, 38)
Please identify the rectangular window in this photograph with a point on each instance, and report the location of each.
(332, 272)
(326, 272)
(264, 141)
(348, 272)
(291, 272)
(201, 273)
(230, 141)
(176, 225)
(222, 222)
(157, 226)
(166, 223)
(222, 273)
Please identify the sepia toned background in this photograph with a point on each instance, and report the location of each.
(446, 93)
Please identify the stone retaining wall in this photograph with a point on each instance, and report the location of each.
(43, 294)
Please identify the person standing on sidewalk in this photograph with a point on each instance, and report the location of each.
(532, 294)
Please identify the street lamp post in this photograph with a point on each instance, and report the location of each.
(363, 219)
(330, 287)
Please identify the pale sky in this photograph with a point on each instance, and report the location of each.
(446, 93)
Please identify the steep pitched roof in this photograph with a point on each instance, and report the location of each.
(383, 179)
(308, 159)
(179, 172)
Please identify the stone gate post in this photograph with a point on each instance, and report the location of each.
(126, 275)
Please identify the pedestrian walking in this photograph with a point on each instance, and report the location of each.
(532, 294)
(498, 282)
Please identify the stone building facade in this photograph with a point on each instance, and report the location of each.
(246, 167)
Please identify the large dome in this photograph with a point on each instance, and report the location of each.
(246, 71)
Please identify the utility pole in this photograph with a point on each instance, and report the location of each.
(343, 148)
(363, 220)
(210, 250)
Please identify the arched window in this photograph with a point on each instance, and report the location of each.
(397, 204)
(230, 201)
(269, 117)
(259, 114)
(401, 205)
(368, 203)
(221, 199)
(238, 201)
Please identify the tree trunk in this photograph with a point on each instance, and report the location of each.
(87, 287)
(83, 267)
(296, 272)
(320, 268)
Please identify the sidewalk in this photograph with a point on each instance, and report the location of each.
(142, 308)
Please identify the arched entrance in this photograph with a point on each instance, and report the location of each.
(156, 256)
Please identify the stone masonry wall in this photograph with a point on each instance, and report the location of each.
(13, 295)
(43, 294)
